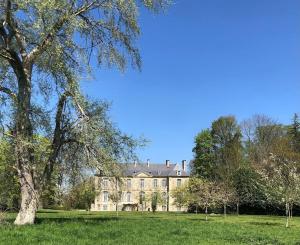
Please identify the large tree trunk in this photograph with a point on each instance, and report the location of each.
(29, 200)
(24, 148)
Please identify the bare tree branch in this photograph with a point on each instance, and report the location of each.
(8, 92)
(15, 32)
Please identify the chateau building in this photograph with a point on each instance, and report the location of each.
(138, 185)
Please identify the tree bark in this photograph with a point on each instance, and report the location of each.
(206, 213)
(23, 146)
(225, 213)
(237, 208)
(29, 200)
(287, 210)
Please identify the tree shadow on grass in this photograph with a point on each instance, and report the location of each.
(86, 214)
(265, 223)
(152, 217)
(48, 211)
(200, 219)
(85, 220)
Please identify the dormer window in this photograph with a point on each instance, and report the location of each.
(178, 173)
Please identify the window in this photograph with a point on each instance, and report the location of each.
(104, 207)
(164, 183)
(142, 197)
(105, 196)
(128, 196)
(105, 183)
(164, 208)
(178, 173)
(142, 183)
(178, 208)
(128, 183)
(155, 183)
(178, 182)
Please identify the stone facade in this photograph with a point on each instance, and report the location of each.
(139, 183)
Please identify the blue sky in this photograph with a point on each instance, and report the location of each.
(203, 59)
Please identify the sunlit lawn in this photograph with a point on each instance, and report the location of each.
(80, 227)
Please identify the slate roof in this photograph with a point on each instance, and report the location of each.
(154, 169)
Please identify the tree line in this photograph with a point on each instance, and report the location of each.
(249, 167)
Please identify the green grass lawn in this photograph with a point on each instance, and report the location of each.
(80, 227)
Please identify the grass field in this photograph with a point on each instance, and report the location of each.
(80, 227)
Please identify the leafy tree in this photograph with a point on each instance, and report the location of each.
(142, 200)
(44, 47)
(281, 172)
(249, 187)
(154, 202)
(116, 195)
(203, 193)
(294, 132)
(9, 186)
(156, 199)
(181, 196)
(80, 196)
(226, 195)
(203, 164)
(226, 135)
(261, 133)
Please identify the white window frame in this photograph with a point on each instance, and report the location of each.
(155, 183)
(164, 183)
(128, 196)
(142, 183)
(105, 196)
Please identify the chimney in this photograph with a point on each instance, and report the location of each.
(134, 163)
(148, 163)
(168, 163)
(183, 165)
